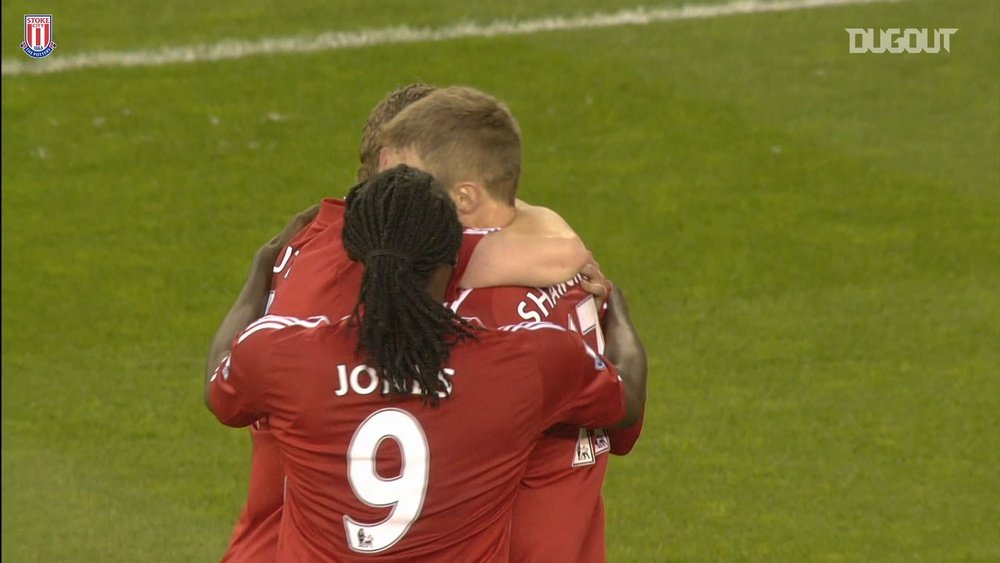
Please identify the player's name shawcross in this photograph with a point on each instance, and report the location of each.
(542, 300)
(364, 380)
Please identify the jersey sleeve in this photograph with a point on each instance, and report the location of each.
(235, 388)
(623, 439)
(579, 386)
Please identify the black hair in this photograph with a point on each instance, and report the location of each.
(403, 226)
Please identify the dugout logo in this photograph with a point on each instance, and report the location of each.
(895, 40)
(38, 41)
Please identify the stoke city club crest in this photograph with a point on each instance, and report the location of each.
(38, 41)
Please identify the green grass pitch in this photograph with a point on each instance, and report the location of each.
(809, 240)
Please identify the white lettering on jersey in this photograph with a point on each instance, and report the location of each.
(524, 313)
(364, 380)
(540, 301)
(286, 259)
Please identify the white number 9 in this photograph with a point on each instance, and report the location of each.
(405, 493)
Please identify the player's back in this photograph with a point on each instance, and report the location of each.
(371, 474)
(559, 512)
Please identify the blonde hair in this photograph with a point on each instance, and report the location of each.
(461, 134)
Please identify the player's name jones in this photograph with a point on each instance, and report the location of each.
(364, 380)
(540, 301)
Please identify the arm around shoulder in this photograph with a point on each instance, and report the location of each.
(537, 249)
(503, 259)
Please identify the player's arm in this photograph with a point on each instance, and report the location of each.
(624, 349)
(249, 306)
(579, 386)
(538, 249)
(538, 220)
(624, 439)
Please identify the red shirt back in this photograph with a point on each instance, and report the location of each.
(372, 475)
(559, 513)
(314, 276)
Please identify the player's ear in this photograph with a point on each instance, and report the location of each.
(467, 197)
(384, 158)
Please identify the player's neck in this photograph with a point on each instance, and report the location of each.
(491, 214)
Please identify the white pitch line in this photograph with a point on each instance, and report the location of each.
(334, 40)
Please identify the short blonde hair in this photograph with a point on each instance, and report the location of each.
(388, 108)
(461, 134)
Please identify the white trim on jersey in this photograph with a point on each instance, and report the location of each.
(598, 360)
(536, 325)
(223, 367)
(531, 325)
(480, 231)
(454, 305)
(277, 322)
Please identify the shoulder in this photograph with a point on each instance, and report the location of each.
(520, 339)
(542, 339)
(539, 221)
(331, 207)
(273, 339)
(269, 329)
(330, 216)
(554, 345)
(540, 260)
(532, 326)
(470, 241)
(471, 238)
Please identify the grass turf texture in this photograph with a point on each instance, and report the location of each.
(808, 239)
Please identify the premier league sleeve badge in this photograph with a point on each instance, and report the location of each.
(38, 41)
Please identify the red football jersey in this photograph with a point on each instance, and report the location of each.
(313, 275)
(559, 513)
(377, 475)
(325, 282)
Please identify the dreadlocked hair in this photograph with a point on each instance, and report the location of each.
(403, 226)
